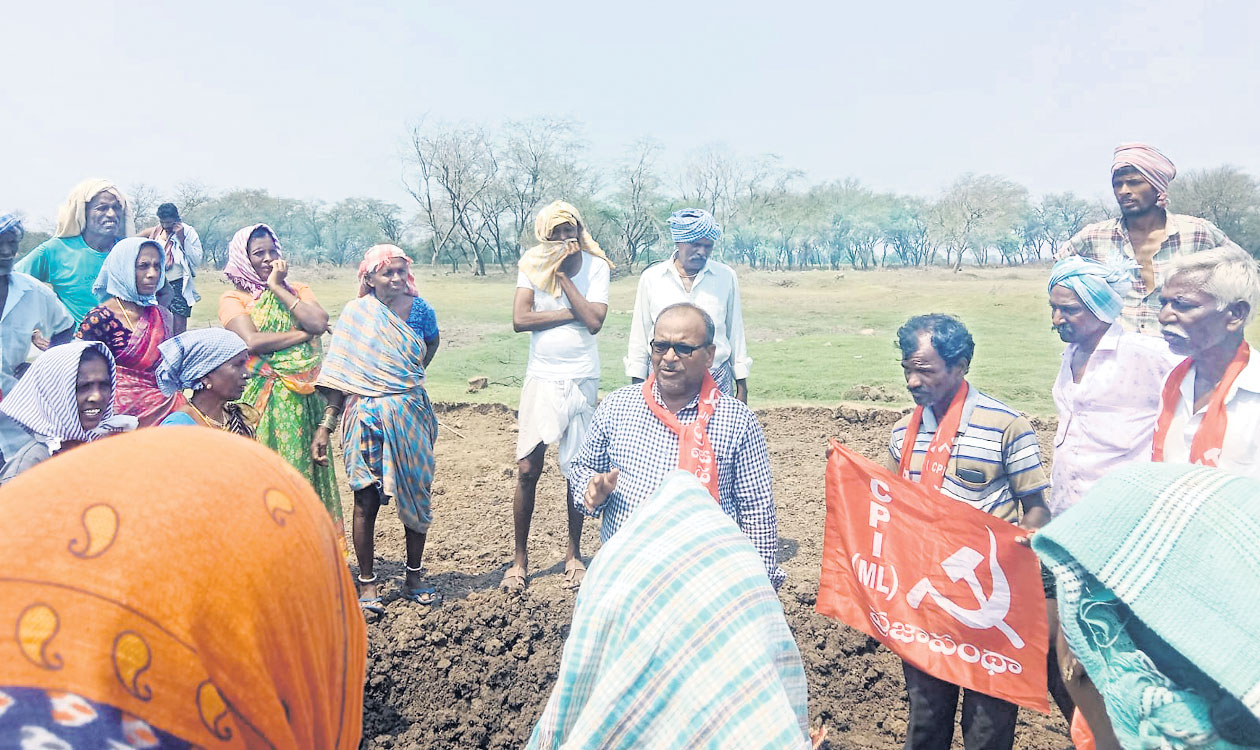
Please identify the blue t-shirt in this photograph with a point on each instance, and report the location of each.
(422, 319)
(69, 266)
(178, 418)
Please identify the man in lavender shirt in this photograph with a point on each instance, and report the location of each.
(1107, 392)
(1107, 395)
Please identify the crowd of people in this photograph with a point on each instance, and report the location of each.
(678, 638)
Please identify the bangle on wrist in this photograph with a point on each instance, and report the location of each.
(293, 306)
(332, 416)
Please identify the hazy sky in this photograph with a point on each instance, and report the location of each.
(312, 99)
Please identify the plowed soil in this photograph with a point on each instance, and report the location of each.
(476, 671)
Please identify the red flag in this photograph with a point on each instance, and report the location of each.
(942, 584)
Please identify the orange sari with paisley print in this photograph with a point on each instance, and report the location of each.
(181, 618)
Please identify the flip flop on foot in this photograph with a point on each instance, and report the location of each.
(574, 572)
(426, 595)
(514, 579)
(371, 604)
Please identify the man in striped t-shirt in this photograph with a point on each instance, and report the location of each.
(973, 448)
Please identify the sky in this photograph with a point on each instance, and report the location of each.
(313, 99)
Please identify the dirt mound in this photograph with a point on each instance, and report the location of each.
(477, 670)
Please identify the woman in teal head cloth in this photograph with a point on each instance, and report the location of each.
(1157, 573)
(663, 653)
(132, 324)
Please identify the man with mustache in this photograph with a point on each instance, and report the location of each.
(691, 276)
(969, 447)
(1146, 233)
(29, 311)
(1107, 391)
(678, 419)
(1210, 405)
(1107, 397)
(93, 218)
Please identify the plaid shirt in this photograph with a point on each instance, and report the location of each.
(1109, 240)
(625, 434)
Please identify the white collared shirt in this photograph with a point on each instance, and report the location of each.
(715, 289)
(188, 256)
(1242, 426)
(1108, 419)
(30, 306)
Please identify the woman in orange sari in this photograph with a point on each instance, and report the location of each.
(128, 629)
(281, 322)
(132, 324)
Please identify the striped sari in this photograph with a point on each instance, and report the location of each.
(388, 425)
(282, 389)
(678, 639)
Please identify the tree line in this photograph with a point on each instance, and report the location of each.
(475, 191)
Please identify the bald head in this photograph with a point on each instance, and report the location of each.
(685, 313)
(682, 352)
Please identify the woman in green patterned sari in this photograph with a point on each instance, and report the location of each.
(281, 323)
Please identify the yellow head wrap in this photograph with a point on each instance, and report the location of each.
(540, 263)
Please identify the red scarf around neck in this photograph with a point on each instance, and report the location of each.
(1210, 437)
(942, 446)
(695, 451)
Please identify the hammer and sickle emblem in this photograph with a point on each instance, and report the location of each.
(961, 566)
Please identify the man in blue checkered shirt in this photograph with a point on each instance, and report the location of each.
(629, 449)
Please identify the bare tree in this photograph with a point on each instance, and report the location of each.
(455, 166)
(190, 195)
(388, 219)
(1225, 196)
(143, 200)
(638, 203)
(977, 212)
(539, 159)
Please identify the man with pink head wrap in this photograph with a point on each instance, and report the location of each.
(1146, 236)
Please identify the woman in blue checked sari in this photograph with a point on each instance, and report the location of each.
(374, 373)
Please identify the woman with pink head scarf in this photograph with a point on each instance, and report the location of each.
(375, 371)
(281, 322)
(385, 272)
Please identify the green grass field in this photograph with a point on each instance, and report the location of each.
(816, 337)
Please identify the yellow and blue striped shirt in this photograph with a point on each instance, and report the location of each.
(995, 459)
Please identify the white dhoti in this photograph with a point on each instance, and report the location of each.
(555, 412)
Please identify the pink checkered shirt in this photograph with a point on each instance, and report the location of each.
(1106, 240)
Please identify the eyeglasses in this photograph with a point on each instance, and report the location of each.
(681, 349)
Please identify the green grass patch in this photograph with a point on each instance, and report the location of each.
(816, 337)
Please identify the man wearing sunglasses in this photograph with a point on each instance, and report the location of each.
(691, 276)
(678, 418)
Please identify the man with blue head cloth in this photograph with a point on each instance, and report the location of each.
(1107, 391)
(691, 276)
(1107, 396)
(29, 311)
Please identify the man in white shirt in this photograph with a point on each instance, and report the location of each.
(1210, 408)
(562, 300)
(1107, 391)
(183, 256)
(31, 312)
(690, 276)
